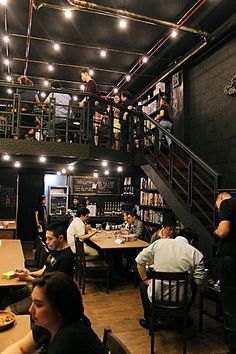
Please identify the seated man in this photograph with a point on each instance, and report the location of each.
(60, 259)
(78, 228)
(168, 226)
(137, 226)
(169, 255)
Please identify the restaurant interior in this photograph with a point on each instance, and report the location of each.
(182, 50)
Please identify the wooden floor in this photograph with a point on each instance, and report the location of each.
(121, 309)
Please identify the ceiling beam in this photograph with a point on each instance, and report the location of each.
(108, 11)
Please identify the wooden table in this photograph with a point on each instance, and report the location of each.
(20, 328)
(7, 229)
(105, 240)
(11, 257)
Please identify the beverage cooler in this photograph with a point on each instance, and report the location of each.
(58, 200)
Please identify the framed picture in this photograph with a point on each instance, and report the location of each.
(176, 80)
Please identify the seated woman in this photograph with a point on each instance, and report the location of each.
(60, 324)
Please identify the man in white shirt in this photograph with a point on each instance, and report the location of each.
(169, 255)
(78, 228)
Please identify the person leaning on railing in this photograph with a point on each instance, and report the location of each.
(164, 118)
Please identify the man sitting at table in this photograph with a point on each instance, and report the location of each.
(137, 226)
(169, 255)
(60, 259)
(78, 228)
(166, 231)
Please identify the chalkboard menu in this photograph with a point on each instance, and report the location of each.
(86, 185)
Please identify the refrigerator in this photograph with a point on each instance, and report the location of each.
(58, 200)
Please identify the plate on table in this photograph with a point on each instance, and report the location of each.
(7, 319)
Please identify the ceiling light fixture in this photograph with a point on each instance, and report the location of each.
(119, 169)
(145, 60)
(6, 61)
(63, 170)
(58, 173)
(174, 34)
(70, 167)
(50, 67)
(68, 13)
(42, 159)
(9, 78)
(56, 46)
(6, 157)
(9, 91)
(75, 98)
(17, 164)
(103, 53)
(115, 90)
(104, 163)
(95, 174)
(46, 83)
(43, 94)
(3, 2)
(91, 72)
(123, 23)
(6, 39)
(106, 172)
(82, 87)
(127, 78)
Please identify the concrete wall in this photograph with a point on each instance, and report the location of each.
(210, 116)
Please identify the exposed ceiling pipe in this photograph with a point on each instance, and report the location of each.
(214, 38)
(27, 49)
(109, 11)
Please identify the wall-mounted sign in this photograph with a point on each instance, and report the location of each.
(86, 185)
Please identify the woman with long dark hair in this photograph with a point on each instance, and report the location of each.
(60, 324)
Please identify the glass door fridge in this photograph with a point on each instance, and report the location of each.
(58, 200)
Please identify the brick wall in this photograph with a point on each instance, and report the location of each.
(210, 116)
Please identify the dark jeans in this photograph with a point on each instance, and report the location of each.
(145, 301)
(228, 294)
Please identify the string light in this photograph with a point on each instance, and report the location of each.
(174, 34)
(50, 67)
(56, 46)
(127, 78)
(6, 39)
(3, 2)
(103, 53)
(9, 91)
(106, 172)
(8, 78)
(6, 61)
(17, 164)
(42, 159)
(104, 163)
(6, 157)
(68, 13)
(115, 90)
(145, 60)
(123, 23)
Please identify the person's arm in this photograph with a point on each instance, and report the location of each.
(36, 215)
(223, 229)
(30, 276)
(199, 273)
(160, 115)
(87, 236)
(139, 229)
(26, 345)
(142, 273)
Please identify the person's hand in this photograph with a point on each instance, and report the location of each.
(81, 104)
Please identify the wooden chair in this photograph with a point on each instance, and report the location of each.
(86, 267)
(40, 255)
(171, 300)
(112, 344)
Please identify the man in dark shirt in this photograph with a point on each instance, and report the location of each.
(226, 231)
(60, 259)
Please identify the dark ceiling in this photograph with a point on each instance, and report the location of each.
(83, 36)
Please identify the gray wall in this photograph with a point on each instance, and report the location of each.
(210, 116)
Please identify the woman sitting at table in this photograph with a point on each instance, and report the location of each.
(60, 324)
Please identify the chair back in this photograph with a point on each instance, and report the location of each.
(80, 254)
(112, 344)
(169, 289)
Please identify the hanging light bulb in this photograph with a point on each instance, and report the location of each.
(43, 94)
(115, 90)
(95, 174)
(70, 167)
(75, 98)
(174, 34)
(91, 72)
(6, 39)
(127, 78)
(145, 60)
(82, 87)
(68, 13)
(46, 83)
(6, 61)
(9, 78)
(63, 170)
(103, 53)
(9, 91)
(17, 164)
(123, 23)
(50, 67)
(56, 46)
(119, 169)
(6, 157)
(42, 159)
(106, 172)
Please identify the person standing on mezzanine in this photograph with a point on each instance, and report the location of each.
(165, 118)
